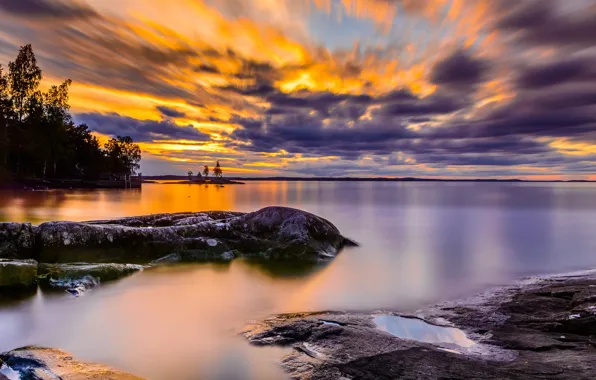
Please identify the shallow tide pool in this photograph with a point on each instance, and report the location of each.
(419, 330)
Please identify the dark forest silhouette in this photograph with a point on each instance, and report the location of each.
(38, 138)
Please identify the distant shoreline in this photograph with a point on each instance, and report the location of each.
(363, 179)
(212, 181)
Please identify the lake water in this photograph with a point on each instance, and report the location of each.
(421, 242)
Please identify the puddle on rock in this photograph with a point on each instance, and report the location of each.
(417, 329)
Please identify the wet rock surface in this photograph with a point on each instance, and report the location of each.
(17, 274)
(543, 330)
(273, 232)
(79, 277)
(38, 363)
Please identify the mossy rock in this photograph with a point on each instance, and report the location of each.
(19, 274)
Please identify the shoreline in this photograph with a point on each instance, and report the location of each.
(538, 327)
(68, 184)
(372, 179)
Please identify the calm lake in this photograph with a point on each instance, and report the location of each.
(421, 242)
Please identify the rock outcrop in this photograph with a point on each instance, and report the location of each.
(545, 330)
(273, 232)
(17, 274)
(16, 240)
(37, 363)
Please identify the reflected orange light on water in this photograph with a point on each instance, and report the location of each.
(420, 243)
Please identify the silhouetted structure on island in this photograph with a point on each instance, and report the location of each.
(39, 140)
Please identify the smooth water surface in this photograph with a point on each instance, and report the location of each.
(421, 242)
(416, 329)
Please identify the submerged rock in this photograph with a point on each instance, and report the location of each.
(17, 274)
(273, 232)
(79, 277)
(544, 330)
(37, 363)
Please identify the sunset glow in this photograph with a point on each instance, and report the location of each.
(426, 88)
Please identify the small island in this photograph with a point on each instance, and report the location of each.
(201, 178)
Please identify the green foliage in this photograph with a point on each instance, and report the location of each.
(38, 137)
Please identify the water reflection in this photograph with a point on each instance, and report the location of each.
(285, 269)
(416, 329)
(420, 243)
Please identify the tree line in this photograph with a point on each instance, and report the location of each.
(217, 172)
(38, 138)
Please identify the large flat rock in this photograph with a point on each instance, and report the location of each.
(48, 363)
(543, 330)
(273, 232)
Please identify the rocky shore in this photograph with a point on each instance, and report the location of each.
(539, 330)
(83, 253)
(40, 363)
(543, 329)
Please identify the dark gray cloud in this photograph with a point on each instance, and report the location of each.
(47, 9)
(140, 130)
(170, 112)
(540, 22)
(566, 98)
(303, 133)
(562, 71)
(432, 105)
(258, 89)
(459, 70)
(206, 68)
(511, 121)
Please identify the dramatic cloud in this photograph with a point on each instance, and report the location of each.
(170, 112)
(548, 23)
(140, 130)
(553, 73)
(333, 87)
(459, 70)
(47, 9)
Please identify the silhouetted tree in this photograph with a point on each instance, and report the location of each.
(190, 174)
(206, 171)
(38, 137)
(5, 116)
(24, 77)
(82, 155)
(53, 130)
(123, 155)
(217, 172)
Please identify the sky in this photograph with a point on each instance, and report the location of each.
(364, 88)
